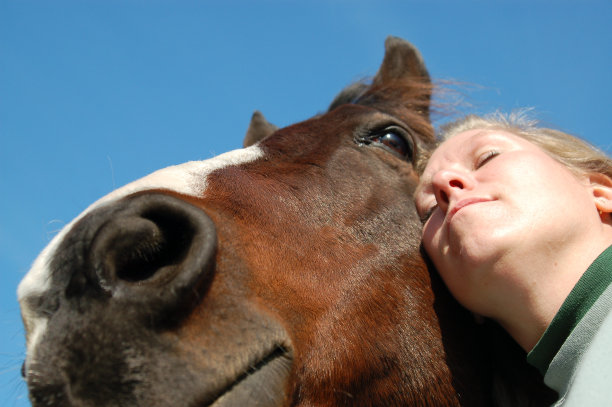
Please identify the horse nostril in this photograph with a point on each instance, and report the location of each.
(155, 239)
(149, 251)
(137, 247)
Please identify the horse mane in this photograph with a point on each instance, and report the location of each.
(350, 94)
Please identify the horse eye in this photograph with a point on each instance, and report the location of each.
(396, 141)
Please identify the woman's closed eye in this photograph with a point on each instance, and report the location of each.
(486, 157)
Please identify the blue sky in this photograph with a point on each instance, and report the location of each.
(94, 94)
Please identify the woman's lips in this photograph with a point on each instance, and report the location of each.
(462, 204)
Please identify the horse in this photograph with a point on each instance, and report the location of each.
(285, 273)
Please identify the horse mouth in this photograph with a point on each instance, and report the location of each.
(262, 383)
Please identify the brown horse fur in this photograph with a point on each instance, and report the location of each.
(294, 278)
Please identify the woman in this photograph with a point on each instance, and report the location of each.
(517, 220)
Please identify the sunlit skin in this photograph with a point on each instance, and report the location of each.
(509, 228)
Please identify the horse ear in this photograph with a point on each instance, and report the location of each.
(402, 61)
(259, 128)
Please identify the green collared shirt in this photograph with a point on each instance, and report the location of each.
(587, 290)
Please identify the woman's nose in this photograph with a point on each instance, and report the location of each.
(447, 184)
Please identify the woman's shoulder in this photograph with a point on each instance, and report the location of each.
(589, 384)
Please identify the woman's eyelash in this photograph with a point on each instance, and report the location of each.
(486, 157)
(425, 217)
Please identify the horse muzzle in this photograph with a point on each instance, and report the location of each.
(151, 252)
(122, 282)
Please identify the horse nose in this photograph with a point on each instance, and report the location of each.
(153, 252)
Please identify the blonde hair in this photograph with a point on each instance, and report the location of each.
(579, 156)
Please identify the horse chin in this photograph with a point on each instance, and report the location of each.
(263, 383)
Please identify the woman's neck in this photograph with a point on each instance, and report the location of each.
(531, 306)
